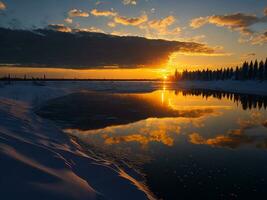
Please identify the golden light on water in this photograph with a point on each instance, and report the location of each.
(192, 112)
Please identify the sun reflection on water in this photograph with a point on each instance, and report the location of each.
(135, 139)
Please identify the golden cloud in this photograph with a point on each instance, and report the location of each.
(194, 48)
(131, 21)
(121, 33)
(90, 29)
(112, 24)
(197, 38)
(78, 13)
(105, 13)
(198, 22)
(238, 22)
(2, 6)
(162, 23)
(129, 2)
(248, 55)
(68, 20)
(59, 27)
(162, 26)
(66, 29)
(259, 39)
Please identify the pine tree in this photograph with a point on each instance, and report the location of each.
(245, 71)
(261, 71)
(255, 70)
(250, 70)
(231, 73)
(237, 73)
(220, 74)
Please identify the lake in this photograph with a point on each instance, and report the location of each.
(186, 144)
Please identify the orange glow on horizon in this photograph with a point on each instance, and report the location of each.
(140, 73)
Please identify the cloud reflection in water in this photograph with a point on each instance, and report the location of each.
(241, 136)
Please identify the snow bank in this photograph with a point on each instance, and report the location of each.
(38, 161)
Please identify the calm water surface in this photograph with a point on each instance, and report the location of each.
(188, 144)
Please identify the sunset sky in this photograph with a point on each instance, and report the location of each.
(233, 30)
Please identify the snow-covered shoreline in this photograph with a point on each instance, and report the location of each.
(242, 87)
(38, 161)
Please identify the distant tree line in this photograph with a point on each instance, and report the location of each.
(249, 71)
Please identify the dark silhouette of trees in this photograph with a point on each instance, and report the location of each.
(255, 70)
(248, 71)
(245, 69)
(237, 73)
(260, 73)
(246, 101)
